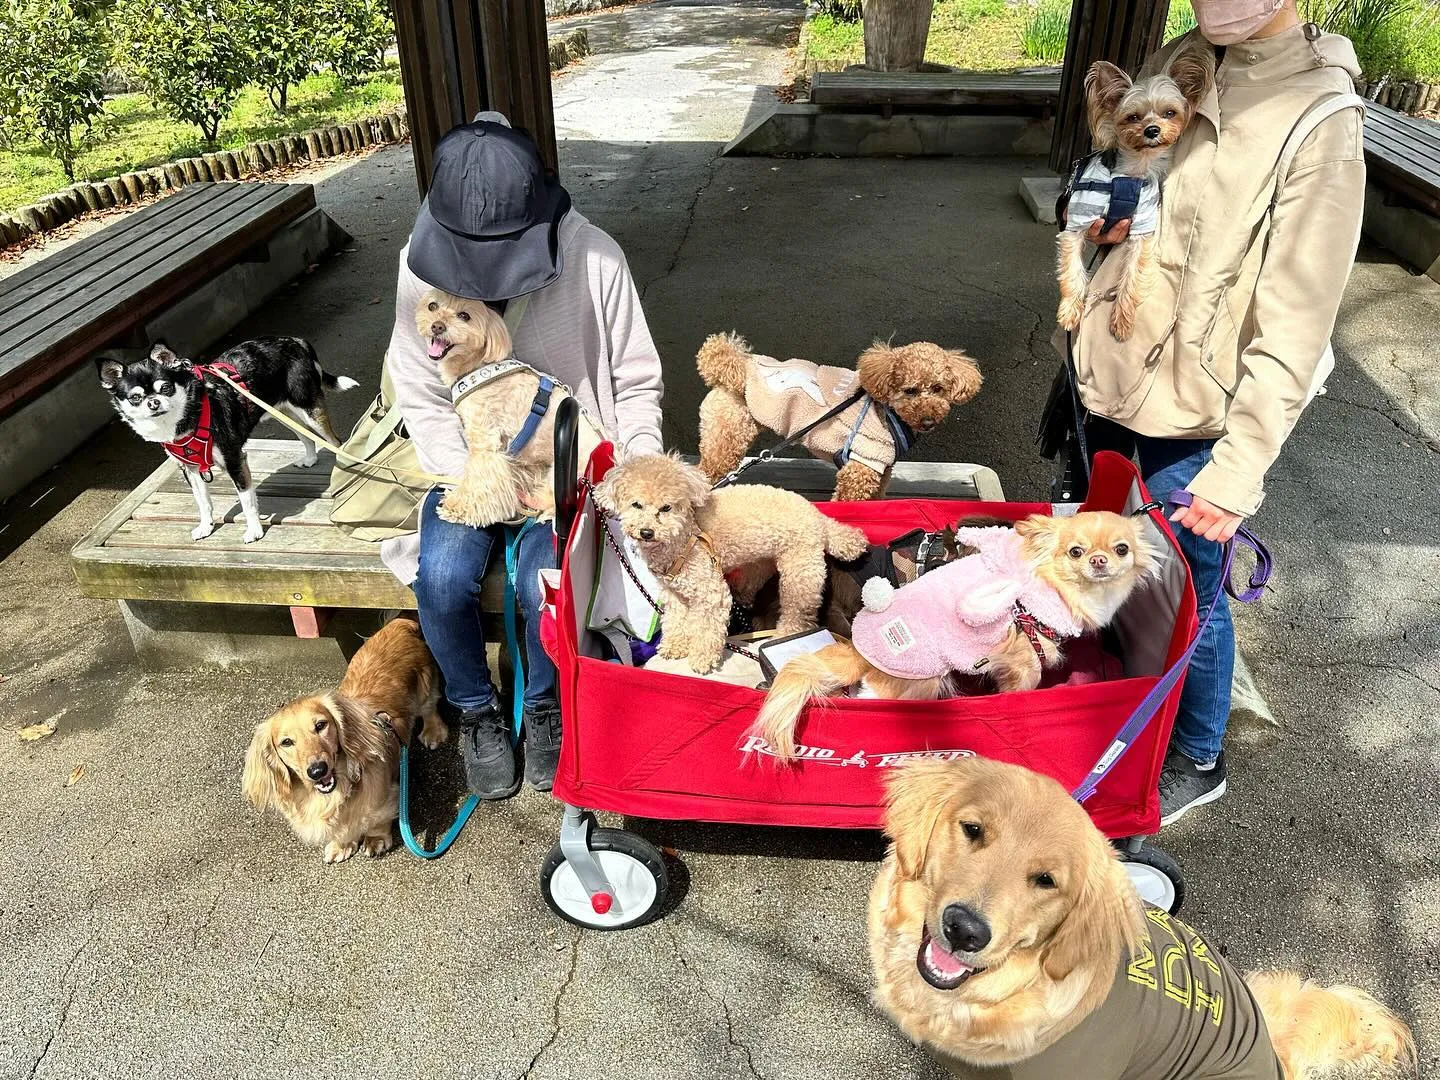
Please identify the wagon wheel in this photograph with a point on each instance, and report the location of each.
(1156, 875)
(636, 882)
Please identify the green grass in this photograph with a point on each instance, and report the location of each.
(135, 135)
(1043, 37)
(981, 35)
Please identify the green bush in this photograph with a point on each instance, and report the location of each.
(52, 79)
(843, 10)
(1043, 37)
(1400, 38)
(190, 55)
(282, 41)
(1179, 20)
(357, 34)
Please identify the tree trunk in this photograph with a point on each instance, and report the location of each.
(895, 33)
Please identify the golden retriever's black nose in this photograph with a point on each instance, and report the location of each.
(647, 534)
(316, 770)
(965, 928)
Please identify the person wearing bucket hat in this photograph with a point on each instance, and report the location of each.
(496, 227)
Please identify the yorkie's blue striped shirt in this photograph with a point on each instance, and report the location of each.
(1090, 199)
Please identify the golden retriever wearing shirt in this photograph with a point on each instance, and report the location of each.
(1005, 936)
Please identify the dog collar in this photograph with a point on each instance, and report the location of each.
(1034, 630)
(474, 380)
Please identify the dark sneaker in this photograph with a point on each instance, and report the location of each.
(490, 770)
(1184, 785)
(542, 746)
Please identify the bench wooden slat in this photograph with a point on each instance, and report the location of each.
(131, 270)
(1410, 146)
(1385, 156)
(52, 275)
(227, 540)
(37, 351)
(278, 510)
(1033, 90)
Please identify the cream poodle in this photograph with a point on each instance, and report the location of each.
(902, 390)
(691, 537)
(501, 482)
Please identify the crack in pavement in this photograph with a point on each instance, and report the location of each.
(45, 1050)
(1369, 665)
(64, 1009)
(711, 170)
(555, 1009)
(1334, 398)
(737, 1043)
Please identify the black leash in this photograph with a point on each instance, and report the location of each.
(767, 455)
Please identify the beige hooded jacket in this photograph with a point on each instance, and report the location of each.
(1234, 339)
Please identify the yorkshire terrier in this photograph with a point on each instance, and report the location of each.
(899, 391)
(1002, 613)
(1135, 127)
(509, 472)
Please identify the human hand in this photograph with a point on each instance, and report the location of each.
(1117, 234)
(1207, 520)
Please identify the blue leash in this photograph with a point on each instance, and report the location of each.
(512, 642)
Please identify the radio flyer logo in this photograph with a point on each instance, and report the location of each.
(825, 755)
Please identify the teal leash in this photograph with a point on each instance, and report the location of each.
(512, 642)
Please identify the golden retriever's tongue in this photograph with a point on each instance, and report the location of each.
(942, 962)
(437, 348)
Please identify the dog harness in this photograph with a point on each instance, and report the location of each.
(1094, 192)
(469, 383)
(197, 450)
(826, 410)
(680, 560)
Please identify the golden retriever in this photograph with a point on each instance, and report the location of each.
(330, 763)
(1004, 931)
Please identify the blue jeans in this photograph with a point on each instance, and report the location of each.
(1168, 464)
(453, 560)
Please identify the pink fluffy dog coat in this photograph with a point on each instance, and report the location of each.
(955, 616)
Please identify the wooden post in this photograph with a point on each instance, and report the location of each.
(460, 57)
(1124, 32)
(895, 33)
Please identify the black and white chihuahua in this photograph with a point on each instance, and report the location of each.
(203, 422)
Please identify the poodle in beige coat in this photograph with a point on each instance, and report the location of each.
(902, 390)
(691, 536)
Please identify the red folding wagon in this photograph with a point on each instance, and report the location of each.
(653, 745)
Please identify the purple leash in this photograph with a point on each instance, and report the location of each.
(1146, 710)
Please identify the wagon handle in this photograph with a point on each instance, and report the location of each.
(567, 462)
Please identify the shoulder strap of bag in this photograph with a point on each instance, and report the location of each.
(514, 312)
(1316, 115)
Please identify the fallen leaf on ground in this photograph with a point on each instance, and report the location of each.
(43, 730)
(75, 774)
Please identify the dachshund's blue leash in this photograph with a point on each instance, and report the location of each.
(512, 643)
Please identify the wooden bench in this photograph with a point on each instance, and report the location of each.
(142, 549)
(102, 290)
(1009, 91)
(1403, 154)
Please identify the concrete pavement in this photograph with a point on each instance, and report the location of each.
(151, 925)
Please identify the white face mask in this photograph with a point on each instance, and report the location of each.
(1227, 22)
